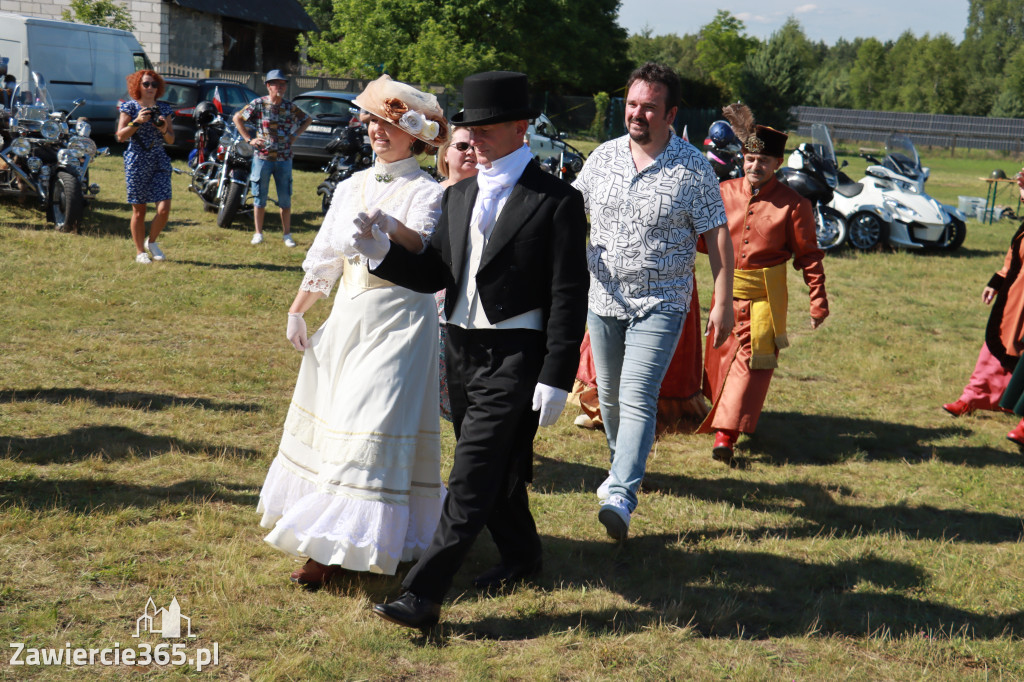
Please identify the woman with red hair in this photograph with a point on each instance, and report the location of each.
(145, 124)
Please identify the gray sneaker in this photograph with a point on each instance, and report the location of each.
(614, 515)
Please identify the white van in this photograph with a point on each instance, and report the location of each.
(77, 60)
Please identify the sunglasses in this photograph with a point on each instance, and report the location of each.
(462, 146)
(150, 84)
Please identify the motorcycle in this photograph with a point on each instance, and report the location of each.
(812, 172)
(351, 153)
(724, 151)
(203, 161)
(43, 158)
(222, 180)
(889, 205)
(569, 161)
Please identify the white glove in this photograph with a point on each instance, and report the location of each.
(365, 221)
(550, 402)
(296, 331)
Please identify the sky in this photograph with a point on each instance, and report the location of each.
(827, 20)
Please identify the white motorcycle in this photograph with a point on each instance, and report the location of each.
(889, 205)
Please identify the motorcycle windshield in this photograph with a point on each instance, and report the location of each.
(822, 143)
(901, 155)
(32, 100)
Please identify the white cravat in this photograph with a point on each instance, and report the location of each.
(495, 185)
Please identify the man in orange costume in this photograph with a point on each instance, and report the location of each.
(769, 224)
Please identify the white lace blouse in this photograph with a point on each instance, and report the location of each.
(399, 189)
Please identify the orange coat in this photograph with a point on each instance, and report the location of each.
(767, 228)
(1006, 322)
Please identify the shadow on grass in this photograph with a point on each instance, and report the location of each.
(133, 399)
(83, 495)
(796, 438)
(269, 267)
(109, 442)
(733, 594)
(815, 510)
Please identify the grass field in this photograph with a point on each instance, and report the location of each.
(865, 534)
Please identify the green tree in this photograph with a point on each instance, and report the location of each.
(932, 81)
(995, 30)
(774, 76)
(678, 53)
(1010, 101)
(558, 43)
(319, 11)
(722, 49)
(868, 75)
(99, 13)
(829, 82)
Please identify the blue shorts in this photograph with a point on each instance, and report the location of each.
(259, 182)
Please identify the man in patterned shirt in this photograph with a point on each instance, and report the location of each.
(649, 195)
(278, 122)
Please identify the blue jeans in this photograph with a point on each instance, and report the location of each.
(259, 182)
(631, 358)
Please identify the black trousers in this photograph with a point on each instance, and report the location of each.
(491, 378)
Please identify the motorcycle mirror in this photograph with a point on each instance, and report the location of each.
(79, 102)
(844, 164)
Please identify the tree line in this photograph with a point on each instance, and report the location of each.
(577, 47)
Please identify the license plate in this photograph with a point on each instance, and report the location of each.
(319, 129)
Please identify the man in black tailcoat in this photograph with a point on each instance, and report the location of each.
(509, 248)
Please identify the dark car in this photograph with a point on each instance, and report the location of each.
(185, 93)
(331, 111)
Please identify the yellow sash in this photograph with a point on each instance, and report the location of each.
(357, 278)
(769, 298)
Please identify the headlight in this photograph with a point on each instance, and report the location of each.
(34, 163)
(226, 139)
(64, 157)
(243, 149)
(50, 130)
(894, 205)
(83, 146)
(83, 128)
(21, 147)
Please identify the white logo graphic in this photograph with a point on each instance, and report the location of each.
(169, 620)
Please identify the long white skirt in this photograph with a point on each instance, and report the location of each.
(356, 481)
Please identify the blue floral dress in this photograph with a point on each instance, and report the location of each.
(147, 168)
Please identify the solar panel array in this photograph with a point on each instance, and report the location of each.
(937, 130)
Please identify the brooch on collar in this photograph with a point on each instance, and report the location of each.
(384, 177)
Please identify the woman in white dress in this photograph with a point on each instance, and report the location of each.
(356, 483)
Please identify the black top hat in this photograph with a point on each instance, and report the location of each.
(767, 141)
(495, 97)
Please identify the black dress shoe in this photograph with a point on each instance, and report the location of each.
(506, 574)
(410, 611)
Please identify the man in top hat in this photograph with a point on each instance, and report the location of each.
(650, 195)
(769, 224)
(278, 122)
(509, 248)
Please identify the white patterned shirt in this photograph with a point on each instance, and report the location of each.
(644, 226)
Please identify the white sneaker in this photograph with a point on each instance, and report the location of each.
(602, 490)
(257, 238)
(288, 241)
(143, 258)
(154, 249)
(614, 515)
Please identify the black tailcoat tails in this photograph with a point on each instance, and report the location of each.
(535, 258)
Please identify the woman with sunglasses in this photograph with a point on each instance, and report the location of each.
(456, 160)
(147, 168)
